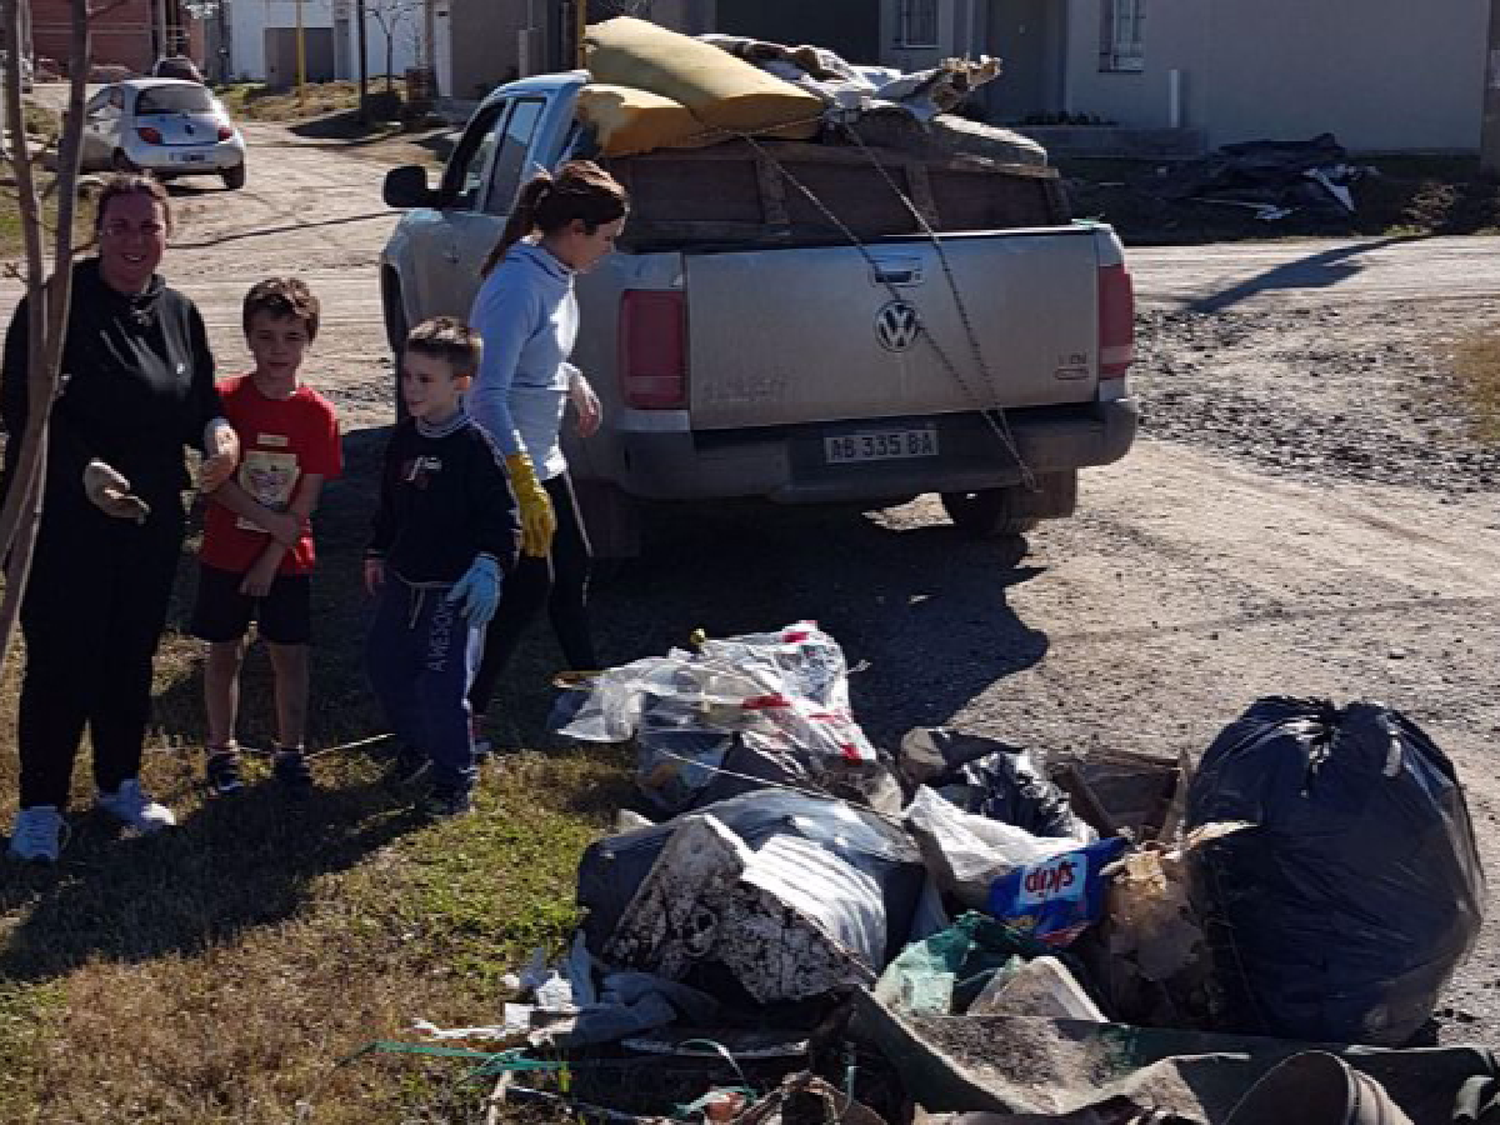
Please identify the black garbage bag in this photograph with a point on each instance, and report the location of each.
(1342, 915)
(992, 779)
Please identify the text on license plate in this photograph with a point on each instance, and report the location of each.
(189, 157)
(881, 445)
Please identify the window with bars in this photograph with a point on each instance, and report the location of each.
(917, 23)
(1120, 35)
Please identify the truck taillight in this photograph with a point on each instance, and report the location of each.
(653, 349)
(1116, 322)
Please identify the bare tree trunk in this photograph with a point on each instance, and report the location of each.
(47, 307)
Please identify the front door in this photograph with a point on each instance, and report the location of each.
(1026, 35)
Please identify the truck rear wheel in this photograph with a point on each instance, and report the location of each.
(1014, 510)
(395, 332)
(986, 514)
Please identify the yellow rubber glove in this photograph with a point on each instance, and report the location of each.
(538, 521)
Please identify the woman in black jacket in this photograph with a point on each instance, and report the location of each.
(138, 387)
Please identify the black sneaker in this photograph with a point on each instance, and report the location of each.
(483, 747)
(407, 767)
(442, 804)
(292, 771)
(223, 773)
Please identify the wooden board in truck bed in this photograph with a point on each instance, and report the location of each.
(733, 194)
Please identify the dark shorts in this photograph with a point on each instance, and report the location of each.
(222, 613)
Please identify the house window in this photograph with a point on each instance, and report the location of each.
(916, 23)
(1120, 35)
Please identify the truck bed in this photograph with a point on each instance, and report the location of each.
(735, 195)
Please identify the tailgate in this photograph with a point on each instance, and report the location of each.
(816, 334)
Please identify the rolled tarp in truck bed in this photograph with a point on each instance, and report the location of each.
(719, 90)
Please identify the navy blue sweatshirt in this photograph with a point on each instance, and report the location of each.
(445, 499)
(139, 387)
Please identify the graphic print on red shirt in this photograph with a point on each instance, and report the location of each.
(280, 440)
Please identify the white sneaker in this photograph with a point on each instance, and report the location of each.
(37, 836)
(130, 805)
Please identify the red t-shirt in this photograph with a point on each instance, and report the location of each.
(280, 439)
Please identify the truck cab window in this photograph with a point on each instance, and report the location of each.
(464, 176)
(510, 167)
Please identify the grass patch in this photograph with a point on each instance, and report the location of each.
(220, 974)
(1476, 364)
(259, 102)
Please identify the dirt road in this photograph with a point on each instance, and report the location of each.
(1306, 514)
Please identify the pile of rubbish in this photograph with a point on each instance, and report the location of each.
(1274, 179)
(810, 926)
(654, 89)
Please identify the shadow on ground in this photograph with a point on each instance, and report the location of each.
(234, 864)
(921, 611)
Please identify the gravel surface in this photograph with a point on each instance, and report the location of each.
(1362, 392)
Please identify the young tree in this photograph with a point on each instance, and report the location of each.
(390, 15)
(48, 297)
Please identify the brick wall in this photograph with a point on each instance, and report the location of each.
(122, 36)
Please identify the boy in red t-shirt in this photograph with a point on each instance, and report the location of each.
(257, 556)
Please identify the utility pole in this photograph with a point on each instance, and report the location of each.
(364, 61)
(1489, 136)
(159, 28)
(301, 58)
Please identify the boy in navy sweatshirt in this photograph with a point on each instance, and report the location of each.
(445, 531)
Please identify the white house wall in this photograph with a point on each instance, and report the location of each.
(249, 19)
(1378, 74)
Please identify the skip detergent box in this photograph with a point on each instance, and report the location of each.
(1056, 900)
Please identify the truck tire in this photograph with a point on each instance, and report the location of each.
(987, 514)
(1014, 510)
(395, 332)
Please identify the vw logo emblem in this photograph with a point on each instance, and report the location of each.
(897, 326)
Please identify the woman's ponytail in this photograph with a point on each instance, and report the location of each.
(581, 192)
(522, 219)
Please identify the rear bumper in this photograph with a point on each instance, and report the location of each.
(789, 464)
(185, 160)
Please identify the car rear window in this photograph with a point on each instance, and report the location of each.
(174, 99)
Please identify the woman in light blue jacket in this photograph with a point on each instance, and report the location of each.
(527, 315)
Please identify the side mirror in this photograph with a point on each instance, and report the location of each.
(406, 186)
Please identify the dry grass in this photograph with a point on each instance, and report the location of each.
(260, 102)
(1476, 364)
(221, 973)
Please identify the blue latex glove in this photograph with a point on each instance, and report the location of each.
(479, 591)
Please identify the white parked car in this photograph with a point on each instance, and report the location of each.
(164, 126)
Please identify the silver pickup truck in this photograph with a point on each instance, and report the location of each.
(805, 323)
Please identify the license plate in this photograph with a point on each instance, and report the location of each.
(880, 445)
(189, 157)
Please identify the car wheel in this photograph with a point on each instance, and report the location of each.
(234, 178)
(986, 514)
(122, 163)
